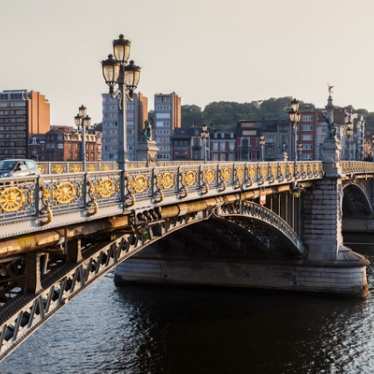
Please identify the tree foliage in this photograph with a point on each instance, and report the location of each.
(226, 114)
(191, 115)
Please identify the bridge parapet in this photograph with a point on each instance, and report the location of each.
(357, 167)
(55, 200)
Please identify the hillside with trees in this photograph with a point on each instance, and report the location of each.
(224, 115)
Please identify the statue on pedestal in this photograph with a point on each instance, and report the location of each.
(147, 148)
(147, 132)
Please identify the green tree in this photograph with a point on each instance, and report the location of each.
(191, 115)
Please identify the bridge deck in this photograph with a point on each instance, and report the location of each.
(56, 200)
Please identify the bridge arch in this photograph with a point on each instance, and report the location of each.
(55, 290)
(250, 210)
(355, 201)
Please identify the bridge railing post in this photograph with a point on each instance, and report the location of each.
(84, 192)
(37, 196)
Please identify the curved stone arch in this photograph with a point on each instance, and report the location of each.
(363, 199)
(250, 209)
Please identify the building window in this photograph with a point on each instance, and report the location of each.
(307, 137)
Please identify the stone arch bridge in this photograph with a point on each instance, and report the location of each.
(59, 232)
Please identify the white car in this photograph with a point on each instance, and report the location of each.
(18, 168)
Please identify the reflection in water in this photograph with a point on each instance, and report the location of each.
(179, 330)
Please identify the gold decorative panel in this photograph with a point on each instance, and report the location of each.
(42, 169)
(58, 169)
(105, 167)
(105, 188)
(209, 176)
(166, 180)
(274, 170)
(75, 168)
(240, 174)
(252, 171)
(189, 178)
(139, 183)
(65, 193)
(12, 199)
(226, 174)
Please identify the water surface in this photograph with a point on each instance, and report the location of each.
(192, 330)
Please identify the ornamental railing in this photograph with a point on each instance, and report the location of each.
(60, 167)
(357, 167)
(55, 200)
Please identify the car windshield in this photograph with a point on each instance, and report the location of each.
(7, 165)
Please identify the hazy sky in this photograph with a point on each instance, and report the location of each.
(205, 50)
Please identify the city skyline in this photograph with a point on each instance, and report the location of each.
(260, 50)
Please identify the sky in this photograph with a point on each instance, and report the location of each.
(205, 50)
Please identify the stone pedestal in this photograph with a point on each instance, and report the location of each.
(322, 223)
(345, 281)
(147, 151)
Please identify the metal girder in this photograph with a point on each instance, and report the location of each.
(44, 296)
(252, 210)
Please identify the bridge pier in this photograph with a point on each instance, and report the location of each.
(286, 275)
(210, 256)
(322, 234)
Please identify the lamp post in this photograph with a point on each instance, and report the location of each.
(299, 150)
(83, 122)
(372, 147)
(122, 78)
(262, 144)
(295, 118)
(204, 135)
(349, 134)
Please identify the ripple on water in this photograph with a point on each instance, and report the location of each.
(178, 330)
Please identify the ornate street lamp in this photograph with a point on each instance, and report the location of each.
(262, 144)
(83, 122)
(204, 135)
(295, 118)
(122, 78)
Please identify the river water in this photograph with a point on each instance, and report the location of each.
(140, 329)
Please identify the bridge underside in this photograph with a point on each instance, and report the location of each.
(253, 246)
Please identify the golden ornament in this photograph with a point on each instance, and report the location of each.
(65, 193)
(58, 169)
(105, 188)
(166, 180)
(189, 178)
(12, 199)
(209, 176)
(75, 168)
(226, 174)
(139, 183)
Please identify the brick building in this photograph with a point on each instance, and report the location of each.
(63, 143)
(23, 115)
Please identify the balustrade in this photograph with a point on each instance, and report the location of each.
(64, 190)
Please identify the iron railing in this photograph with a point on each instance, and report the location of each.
(52, 200)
